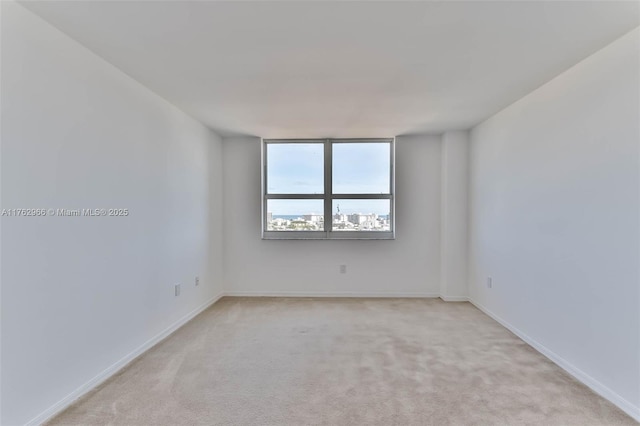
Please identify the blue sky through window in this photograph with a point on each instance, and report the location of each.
(295, 168)
(361, 168)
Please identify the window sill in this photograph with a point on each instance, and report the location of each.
(319, 235)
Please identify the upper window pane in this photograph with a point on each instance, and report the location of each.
(295, 168)
(362, 168)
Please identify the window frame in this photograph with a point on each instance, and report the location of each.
(328, 196)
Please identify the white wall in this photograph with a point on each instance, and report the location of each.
(555, 219)
(454, 196)
(407, 266)
(80, 293)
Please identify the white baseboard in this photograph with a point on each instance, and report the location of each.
(119, 365)
(327, 294)
(599, 388)
(454, 298)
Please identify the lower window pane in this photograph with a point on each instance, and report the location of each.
(295, 215)
(361, 215)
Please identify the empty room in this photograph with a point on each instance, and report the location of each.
(319, 213)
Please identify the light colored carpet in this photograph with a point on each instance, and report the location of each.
(265, 361)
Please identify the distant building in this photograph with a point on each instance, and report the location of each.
(315, 218)
(364, 221)
(340, 221)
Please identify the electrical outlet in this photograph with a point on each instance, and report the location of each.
(197, 281)
(343, 269)
(489, 282)
(177, 289)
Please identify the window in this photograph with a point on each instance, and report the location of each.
(348, 182)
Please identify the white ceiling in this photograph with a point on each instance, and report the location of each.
(341, 69)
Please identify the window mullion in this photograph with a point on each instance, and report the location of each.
(294, 196)
(264, 150)
(328, 186)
